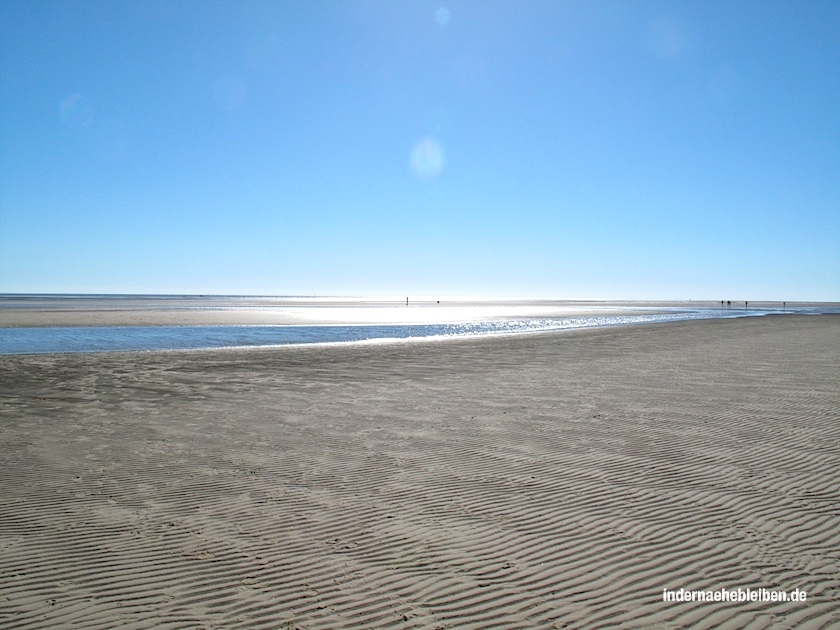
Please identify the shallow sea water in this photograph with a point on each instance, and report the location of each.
(146, 338)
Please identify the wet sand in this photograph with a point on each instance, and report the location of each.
(62, 311)
(538, 481)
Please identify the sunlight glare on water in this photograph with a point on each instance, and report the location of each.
(127, 338)
(430, 314)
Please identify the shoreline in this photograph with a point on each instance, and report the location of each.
(537, 480)
(58, 340)
(63, 311)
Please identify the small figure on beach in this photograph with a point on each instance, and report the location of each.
(729, 302)
(746, 304)
(406, 301)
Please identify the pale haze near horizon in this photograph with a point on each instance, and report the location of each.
(604, 150)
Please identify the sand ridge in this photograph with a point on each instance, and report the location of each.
(544, 481)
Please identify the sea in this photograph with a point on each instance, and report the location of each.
(80, 339)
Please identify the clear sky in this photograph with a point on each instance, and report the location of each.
(674, 150)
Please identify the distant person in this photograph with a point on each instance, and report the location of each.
(406, 301)
(746, 304)
(729, 302)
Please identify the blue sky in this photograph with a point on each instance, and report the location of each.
(556, 149)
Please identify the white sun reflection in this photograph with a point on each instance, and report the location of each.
(428, 311)
(427, 159)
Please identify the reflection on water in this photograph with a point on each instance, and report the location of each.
(128, 338)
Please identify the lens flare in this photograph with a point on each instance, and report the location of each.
(668, 38)
(76, 111)
(442, 16)
(427, 159)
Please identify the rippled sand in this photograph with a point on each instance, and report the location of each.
(545, 481)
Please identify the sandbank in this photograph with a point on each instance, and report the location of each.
(69, 311)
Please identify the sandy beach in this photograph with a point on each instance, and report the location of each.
(540, 481)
